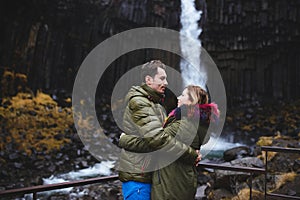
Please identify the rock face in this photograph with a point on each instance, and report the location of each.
(254, 43)
(48, 41)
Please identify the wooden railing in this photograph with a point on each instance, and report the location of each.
(251, 170)
(42, 188)
(277, 149)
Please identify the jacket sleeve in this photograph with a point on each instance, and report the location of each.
(148, 120)
(135, 144)
(172, 144)
(161, 140)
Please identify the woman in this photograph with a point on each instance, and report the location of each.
(188, 123)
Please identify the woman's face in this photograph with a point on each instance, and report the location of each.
(184, 99)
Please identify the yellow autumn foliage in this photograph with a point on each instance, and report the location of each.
(283, 178)
(271, 155)
(44, 99)
(247, 128)
(35, 123)
(257, 195)
(265, 141)
(245, 193)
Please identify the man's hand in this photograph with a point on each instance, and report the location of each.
(198, 158)
(122, 135)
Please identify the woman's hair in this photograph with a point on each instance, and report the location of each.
(197, 95)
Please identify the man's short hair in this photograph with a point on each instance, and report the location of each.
(150, 68)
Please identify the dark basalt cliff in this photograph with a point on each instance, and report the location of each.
(254, 43)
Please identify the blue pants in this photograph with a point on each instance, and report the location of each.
(133, 190)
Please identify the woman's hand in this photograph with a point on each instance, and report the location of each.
(198, 158)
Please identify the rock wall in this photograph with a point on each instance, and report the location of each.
(254, 43)
(48, 40)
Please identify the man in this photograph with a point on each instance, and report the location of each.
(144, 117)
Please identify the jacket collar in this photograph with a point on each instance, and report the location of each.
(153, 95)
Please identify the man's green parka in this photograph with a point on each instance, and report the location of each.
(144, 117)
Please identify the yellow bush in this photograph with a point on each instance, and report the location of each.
(33, 122)
(245, 193)
(44, 99)
(265, 141)
(283, 178)
(271, 155)
(247, 128)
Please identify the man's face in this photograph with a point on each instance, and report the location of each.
(159, 81)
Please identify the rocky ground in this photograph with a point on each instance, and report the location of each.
(255, 117)
(268, 124)
(283, 172)
(38, 139)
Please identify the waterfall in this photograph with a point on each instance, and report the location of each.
(189, 21)
(196, 74)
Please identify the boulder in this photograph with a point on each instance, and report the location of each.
(236, 152)
(232, 180)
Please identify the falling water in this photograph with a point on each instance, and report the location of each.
(189, 21)
(195, 74)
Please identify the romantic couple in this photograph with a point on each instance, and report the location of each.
(160, 175)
